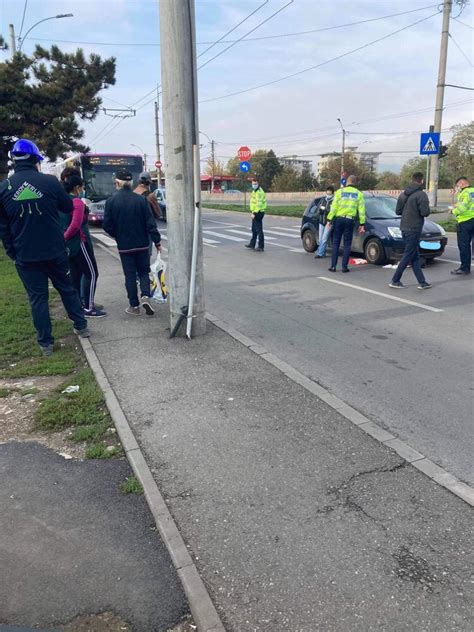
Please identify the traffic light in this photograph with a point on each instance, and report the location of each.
(443, 151)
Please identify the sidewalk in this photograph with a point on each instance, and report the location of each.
(75, 553)
(297, 519)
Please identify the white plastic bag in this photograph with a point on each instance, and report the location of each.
(158, 280)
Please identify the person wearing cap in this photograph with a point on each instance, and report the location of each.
(258, 206)
(143, 188)
(128, 219)
(348, 206)
(30, 203)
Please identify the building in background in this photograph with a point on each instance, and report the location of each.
(370, 159)
(297, 164)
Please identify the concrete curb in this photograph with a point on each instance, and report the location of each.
(418, 460)
(203, 610)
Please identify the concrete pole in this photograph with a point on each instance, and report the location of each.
(11, 30)
(157, 138)
(443, 58)
(180, 123)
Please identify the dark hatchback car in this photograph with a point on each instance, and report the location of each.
(382, 240)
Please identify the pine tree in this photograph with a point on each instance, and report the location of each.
(43, 97)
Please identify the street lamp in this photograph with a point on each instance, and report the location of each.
(53, 17)
(143, 153)
(343, 145)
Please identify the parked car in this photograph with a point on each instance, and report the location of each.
(232, 192)
(382, 240)
(161, 197)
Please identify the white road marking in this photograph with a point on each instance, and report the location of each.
(105, 239)
(449, 261)
(382, 294)
(216, 221)
(246, 233)
(280, 234)
(221, 236)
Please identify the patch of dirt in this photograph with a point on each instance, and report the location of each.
(104, 622)
(110, 622)
(17, 415)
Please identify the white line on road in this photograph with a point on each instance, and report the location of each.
(448, 261)
(382, 294)
(108, 241)
(281, 234)
(216, 221)
(246, 233)
(221, 236)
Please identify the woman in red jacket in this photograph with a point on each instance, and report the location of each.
(81, 258)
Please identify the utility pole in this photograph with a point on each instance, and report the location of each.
(343, 146)
(11, 30)
(180, 123)
(213, 158)
(443, 57)
(157, 137)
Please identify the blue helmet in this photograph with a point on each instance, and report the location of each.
(24, 149)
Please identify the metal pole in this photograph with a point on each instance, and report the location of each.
(343, 145)
(157, 135)
(11, 29)
(443, 57)
(213, 158)
(180, 122)
(144, 162)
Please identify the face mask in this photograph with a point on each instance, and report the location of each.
(328, 194)
(254, 187)
(82, 195)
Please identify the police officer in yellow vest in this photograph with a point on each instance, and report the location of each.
(464, 213)
(258, 205)
(348, 205)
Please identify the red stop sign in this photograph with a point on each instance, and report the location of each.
(244, 153)
(158, 164)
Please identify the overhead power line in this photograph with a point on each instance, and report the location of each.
(23, 18)
(232, 29)
(249, 39)
(324, 63)
(461, 50)
(273, 139)
(244, 36)
(464, 24)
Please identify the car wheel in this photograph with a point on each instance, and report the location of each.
(374, 251)
(309, 241)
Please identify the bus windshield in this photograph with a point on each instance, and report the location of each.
(99, 173)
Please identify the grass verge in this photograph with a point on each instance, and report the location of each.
(20, 356)
(450, 225)
(295, 210)
(85, 411)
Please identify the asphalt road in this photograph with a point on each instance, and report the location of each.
(403, 358)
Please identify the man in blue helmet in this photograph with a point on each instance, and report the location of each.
(33, 237)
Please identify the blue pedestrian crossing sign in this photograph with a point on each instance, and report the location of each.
(245, 166)
(429, 143)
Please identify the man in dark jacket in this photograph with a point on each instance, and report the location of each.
(128, 219)
(32, 235)
(413, 205)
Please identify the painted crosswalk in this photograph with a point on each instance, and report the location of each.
(216, 234)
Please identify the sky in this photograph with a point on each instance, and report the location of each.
(384, 93)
